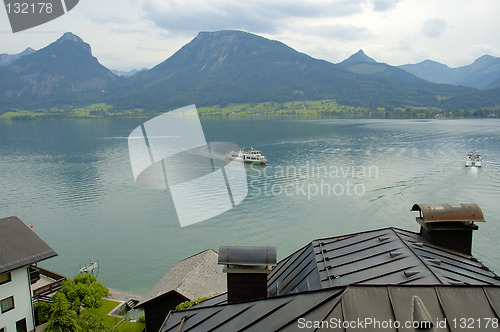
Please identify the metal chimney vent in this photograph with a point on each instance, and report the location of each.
(465, 213)
(247, 257)
(449, 226)
(247, 269)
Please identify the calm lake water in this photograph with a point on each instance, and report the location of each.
(72, 180)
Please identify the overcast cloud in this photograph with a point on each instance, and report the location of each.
(382, 5)
(258, 16)
(434, 27)
(127, 34)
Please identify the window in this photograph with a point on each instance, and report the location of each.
(7, 304)
(4, 278)
(21, 325)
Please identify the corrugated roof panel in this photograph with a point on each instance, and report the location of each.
(218, 318)
(329, 309)
(386, 256)
(372, 259)
(359, 273)
(299, 269)
(296, 309)
(435, 260)
(446, 264)
(467, 303)
(406, 276)
(462, 276)
(493, 295)
(282, 269)
(363, 256)
(402, 304)
(359, 252)
(174, 320)
(397, 275)
(306, 273)
(337, 316)
(347, 304)
(216, 300)
(277, 313)
(367, 302)
(307, 281)
(196, 321)
(381, 258)
(343, 246)
(257, 311)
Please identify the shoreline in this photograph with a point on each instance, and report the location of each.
(14, 116)
(305, 109)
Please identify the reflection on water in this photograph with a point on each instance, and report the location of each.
(72, 180)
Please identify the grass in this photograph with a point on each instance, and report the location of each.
(107, 306)
(102, 312)
(308, 108)
(22, 114)
(131, 327)
(100, 110)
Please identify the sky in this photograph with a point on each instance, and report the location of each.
(135, 34)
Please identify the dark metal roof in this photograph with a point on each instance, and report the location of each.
(216, 300)
(247, 256)
(449, 213)
(354, 303)
(20, 246)
(387, 256)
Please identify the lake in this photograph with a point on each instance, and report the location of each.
(72, 180)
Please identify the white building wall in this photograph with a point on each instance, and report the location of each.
(19, 287)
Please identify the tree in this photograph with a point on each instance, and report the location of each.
(88, 322)
(84, 290)
(42, 312)
(62, 319)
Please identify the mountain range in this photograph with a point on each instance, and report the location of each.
(61, 72)
(7, 59)
(126, 73)
(484, 73)
(235, 67)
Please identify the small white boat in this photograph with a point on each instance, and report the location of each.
(473, 159)
(251, 156)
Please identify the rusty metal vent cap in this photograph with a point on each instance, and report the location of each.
(247, 256)
(449, 212)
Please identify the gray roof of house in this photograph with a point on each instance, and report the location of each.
(348, 304)
(388, 256)
(193, 277)
(20, 246)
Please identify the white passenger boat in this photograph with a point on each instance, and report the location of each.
(251, 156)
(473, 159)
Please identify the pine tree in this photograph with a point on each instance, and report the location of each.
(62, 318)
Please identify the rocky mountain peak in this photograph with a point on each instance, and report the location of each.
(358, 57)
(69, 37)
